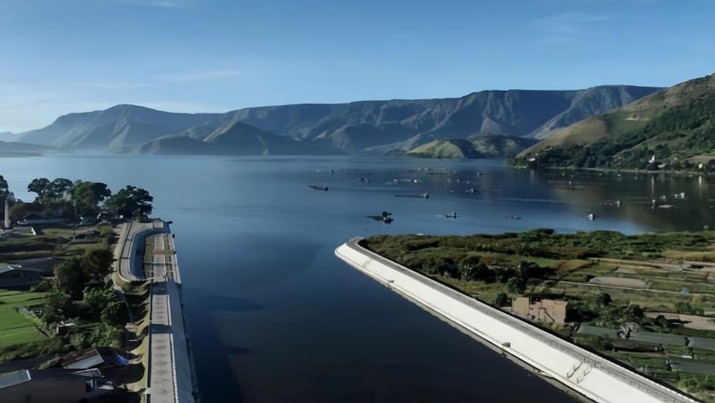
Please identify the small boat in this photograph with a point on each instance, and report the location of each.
(314, 187)
(418, 195)
(384, 217)
(453, 214)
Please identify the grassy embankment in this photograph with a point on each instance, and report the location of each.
(610, 280)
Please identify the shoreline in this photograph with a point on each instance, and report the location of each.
(555, 360)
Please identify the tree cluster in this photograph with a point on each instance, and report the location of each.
(81, 292)
(64, 198)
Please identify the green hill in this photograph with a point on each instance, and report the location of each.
(671, 129)
(481, 147)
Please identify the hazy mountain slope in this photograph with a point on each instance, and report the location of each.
(365, 126)
(237, 139)
(674, 123)
(374, 124)
(115, 128)
(16, 149)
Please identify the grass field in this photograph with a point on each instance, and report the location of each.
(16, 328)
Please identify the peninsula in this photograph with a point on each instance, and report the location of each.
(636, 307)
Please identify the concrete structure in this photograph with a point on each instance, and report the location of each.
(47, 386)
(129, 252)
(545, 310)
(591, 375)
(170, 372)
(10, 198)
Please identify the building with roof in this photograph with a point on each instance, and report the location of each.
(26, 272)
(48, 386)
(101, 358)
(14, 276)
(545, 310)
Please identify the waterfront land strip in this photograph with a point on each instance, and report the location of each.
(645, 301)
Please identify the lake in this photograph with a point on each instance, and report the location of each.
(275, 316)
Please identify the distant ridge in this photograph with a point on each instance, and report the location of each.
(385, 127)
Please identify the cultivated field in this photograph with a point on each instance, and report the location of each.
(17, 328)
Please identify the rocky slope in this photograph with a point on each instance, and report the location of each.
(395, 126)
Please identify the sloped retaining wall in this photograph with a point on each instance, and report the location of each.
(580, 370)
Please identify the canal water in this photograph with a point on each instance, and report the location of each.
(274, 316)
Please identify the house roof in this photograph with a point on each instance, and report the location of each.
(42, 263)
(14, 378)
(12, 267)
(25, 375)
(92, 357)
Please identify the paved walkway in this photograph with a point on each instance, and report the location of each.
(169, 378)
(160, 258)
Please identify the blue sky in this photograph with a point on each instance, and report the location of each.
(61, 56)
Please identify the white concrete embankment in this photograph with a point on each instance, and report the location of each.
(580, 370)
(131, 239)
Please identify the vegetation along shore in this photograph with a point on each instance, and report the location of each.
(59, 308)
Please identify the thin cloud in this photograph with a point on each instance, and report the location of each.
(568, 27)
(167, 4)
(110, 85)
(205, 75)
(570, 22)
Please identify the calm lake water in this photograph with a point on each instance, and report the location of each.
(275, 316)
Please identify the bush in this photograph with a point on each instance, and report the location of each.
(516, 285)
(501, 299)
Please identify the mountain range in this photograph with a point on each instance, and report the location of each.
(673, 128)
(384, 127)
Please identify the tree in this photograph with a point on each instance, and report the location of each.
(603, 298)
(87, 196)
(478, 272)
(59, 188)
(69, 278)
(96, 265)
(41, 187)
(95, 299)
(57, 305)
(516, 285)
(501, 299)
(131, 202)
(76, 273)
(4, 188)
(633, 313)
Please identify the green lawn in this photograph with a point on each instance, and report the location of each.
(16, 328)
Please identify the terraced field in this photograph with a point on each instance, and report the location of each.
(15, 327)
